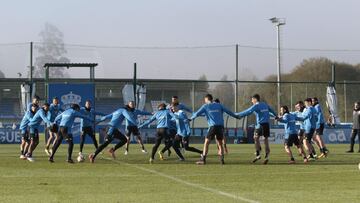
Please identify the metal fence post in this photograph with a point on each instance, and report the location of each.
(291, 97)
(193, 105)
(345, 107)
(31, 62)
(236, 81)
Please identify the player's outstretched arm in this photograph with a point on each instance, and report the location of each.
(246, 112)
(45, 118)
(184, 107)
(81, 115)
(298, 118)
(272, 112)
(230, 113)
(148, 121)
(143, 113)
(199, 112)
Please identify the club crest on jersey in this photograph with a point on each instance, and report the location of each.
(69, 99)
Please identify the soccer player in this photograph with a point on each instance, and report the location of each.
(87, 126)
(112, 132)
(54, 110)
(67, 119)
(162, 117)
(299, 109)
(25, 141)
(224, 137)
(169, 140)
(183, 130)
(42, 114)
(309, 116)
(172, 127)
(319, 130)
(214, 115)
(181, 106)
(35, 100)
(291, 137)
(131, 126)
(262, 128)
(355, 128)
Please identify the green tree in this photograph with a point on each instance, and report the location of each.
(51, 49)
(313, 70)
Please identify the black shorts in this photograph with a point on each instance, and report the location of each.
(264, 130)
(162, 133)
(216, 131)
(132, 130)
(293, 139)
(63, 132)
(34, 135)
(301, 133)
(54, 128)
(320, 130)
(308, 136)
(25, 136)
(87, 131)
(355, 132)
(172, 133)
(114, 133)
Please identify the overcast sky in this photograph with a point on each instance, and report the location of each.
(319, 24)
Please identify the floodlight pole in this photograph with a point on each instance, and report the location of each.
(278, 67)
(31, 62)
(134, 85)
(236, 106)
(278, 22)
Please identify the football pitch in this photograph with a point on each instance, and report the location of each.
(132, 179)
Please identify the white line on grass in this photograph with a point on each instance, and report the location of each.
(215, 191)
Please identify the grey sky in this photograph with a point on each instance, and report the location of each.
(320, 24)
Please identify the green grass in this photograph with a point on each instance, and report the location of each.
(131, 179)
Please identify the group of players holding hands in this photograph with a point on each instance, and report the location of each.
(172, 126)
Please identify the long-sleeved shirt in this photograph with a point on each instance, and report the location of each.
(182, 123)
(117, 117)
(289, 120)
(213, 113)
(262, 112)
(91, 114)
(309, 116)
(67, 118)
(356, 119)
(182, 107)
(25, 121)
(134, 117)
(40, 116)
(162, 117)
(319, 115)
(55, 110)
(301, 123)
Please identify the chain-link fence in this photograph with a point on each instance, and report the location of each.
(108, 94)
(221, 62)
(162, 69)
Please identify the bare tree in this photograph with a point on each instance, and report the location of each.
(51, 49)
(2, 75)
